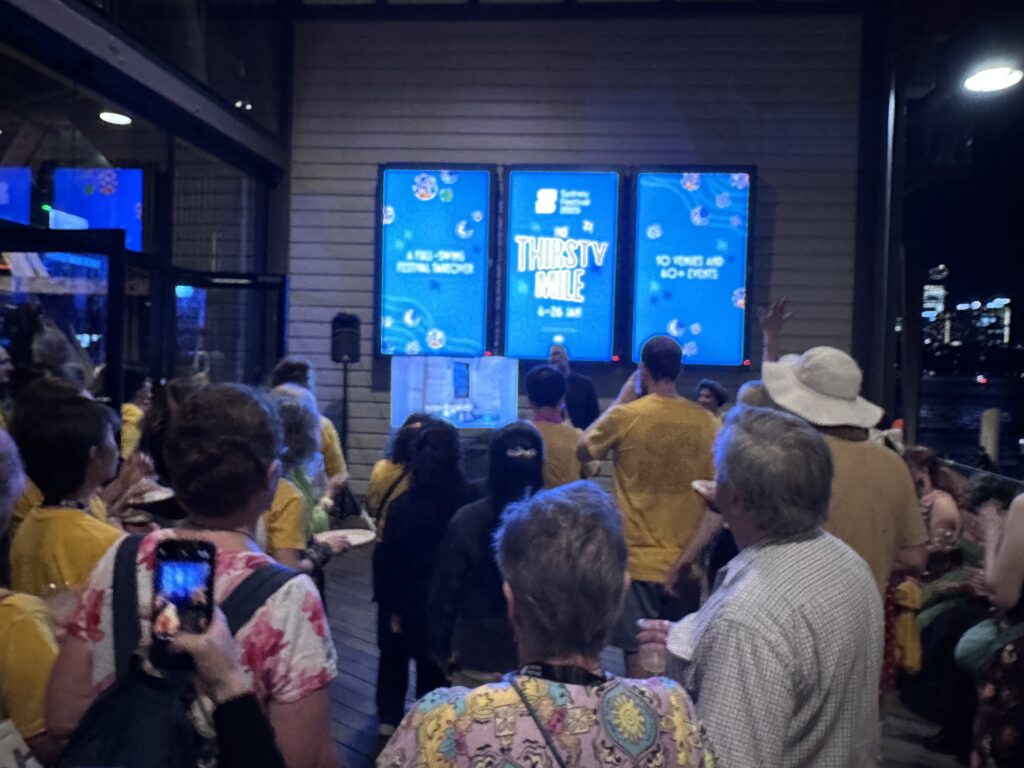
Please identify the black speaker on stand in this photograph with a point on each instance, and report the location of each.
(345, 350)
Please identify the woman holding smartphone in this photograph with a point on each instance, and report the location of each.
(222, 453)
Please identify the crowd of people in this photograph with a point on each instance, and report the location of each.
(770, 571)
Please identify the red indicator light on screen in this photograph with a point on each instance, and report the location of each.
(487, 353)
(615, 358)
(746, 363)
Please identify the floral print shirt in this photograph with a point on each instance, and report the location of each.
(619, 722)
(286, 647)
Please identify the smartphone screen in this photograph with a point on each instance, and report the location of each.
(182, 591)
(460, 376)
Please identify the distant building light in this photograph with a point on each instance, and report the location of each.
(997, 303)
(975, 305)
(184, 291)
(963, 307)
(981, 378)
(930, 314)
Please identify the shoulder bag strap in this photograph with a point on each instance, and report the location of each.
(387, 496)
(249, 596)
(536, 719)
(125, 603)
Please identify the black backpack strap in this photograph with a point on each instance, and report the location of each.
(249, 596)
(387, 496)
(126, 603)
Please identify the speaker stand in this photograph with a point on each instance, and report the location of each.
(344, 404)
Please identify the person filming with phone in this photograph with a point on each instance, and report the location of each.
(117, 665)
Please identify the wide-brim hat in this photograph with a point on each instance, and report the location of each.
(821, 386)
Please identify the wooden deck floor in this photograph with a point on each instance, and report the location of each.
(353, 712)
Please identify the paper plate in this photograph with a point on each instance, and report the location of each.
(356, 537)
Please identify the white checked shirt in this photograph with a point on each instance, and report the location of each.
(783, 661)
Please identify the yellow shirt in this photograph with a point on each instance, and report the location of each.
(33, 497)
(874, 507)
(661, 445)
(27, 653)
(330, 447)
(384, 475)
(287, 522)
(56, 548)
(561, 466)
(131, 428)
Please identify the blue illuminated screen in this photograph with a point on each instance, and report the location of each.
(481, 392)
(105, 198)
(560, 272)
(690, 270)
(434, 247)
(179, 580)
(15, 194)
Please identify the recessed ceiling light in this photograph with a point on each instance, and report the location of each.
(115, 118)
(992, 79)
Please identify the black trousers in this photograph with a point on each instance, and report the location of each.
(396, 650)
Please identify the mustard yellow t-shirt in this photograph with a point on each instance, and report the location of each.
(27, 653)
(56, 548)
(33, 497)
(131, 428)
(561, 466)
(287, 522)
(874, 508)
(660, 446)
(330, 447)
(384, 475)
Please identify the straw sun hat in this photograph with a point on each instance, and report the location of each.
(822, 386)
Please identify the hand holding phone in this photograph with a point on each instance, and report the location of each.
(182, 596)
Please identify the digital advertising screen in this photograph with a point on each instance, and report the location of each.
(562, 229)
(471, 393)
(15, 194)
(434, 244)
(106, 198)
(690, 268)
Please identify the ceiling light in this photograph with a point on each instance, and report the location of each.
(992, 79)
(115, 118)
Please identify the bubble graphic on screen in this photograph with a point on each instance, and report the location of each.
(389, 214)
(522, 287)
(412, 348)
(588, 226)
(740, 180)
(722, 246)
(736, 221)
(562, 232)
(138, 211)
(558, 338)
(700, 216)
(534, 227)
(446, 195)
(436, 338)
(691, 182)
(690, 349)
(477, 216)
(424, 187)
(739, 298)
(653, 286)
(448, 177)
(107, 182)
(674, 328)
(387, 321)
(654, 232)
(410, 318)
(463, 230)
(399, 244)
(723, 199)
(695, 329)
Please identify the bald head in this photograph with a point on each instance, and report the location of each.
(558, 356)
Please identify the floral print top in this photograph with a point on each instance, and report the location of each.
(619, 722)
(286, 647)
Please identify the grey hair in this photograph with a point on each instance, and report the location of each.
(564, 556)
(12, 477)
(779, 467)
(754, 393)
(301, 419)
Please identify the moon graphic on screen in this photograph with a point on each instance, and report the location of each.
(410, 319)
(463, 230)
(674, 329)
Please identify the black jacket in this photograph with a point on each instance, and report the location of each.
(468, 612)
(403, 562)
(581, 400)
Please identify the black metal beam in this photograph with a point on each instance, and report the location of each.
(567, 9)
(81, 46)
